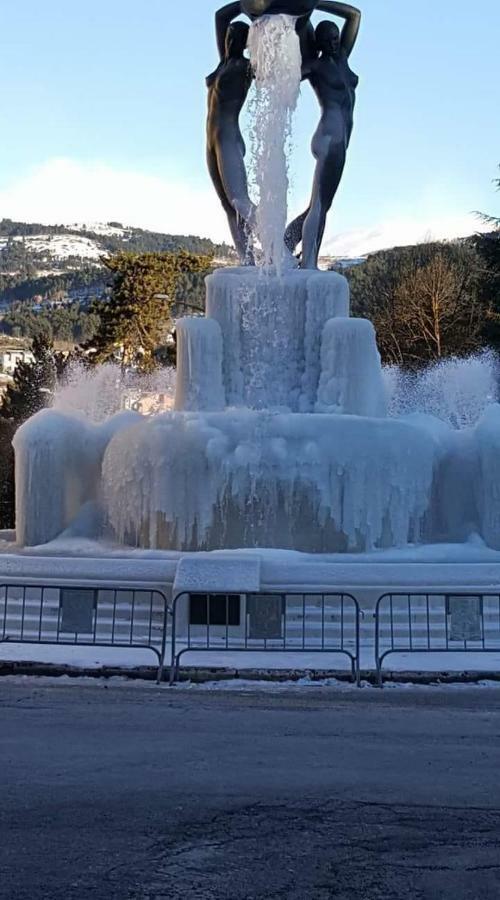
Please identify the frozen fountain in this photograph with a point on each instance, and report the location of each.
(280, 435)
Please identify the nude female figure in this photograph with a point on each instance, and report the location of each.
(228, 88)
(335, 86)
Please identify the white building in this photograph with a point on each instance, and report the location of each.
(12, 352)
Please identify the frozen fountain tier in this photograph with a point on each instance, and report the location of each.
(268, 471)
(58, 471)
(242, 478)
(199, 365)
(272, 330)
(351, 371)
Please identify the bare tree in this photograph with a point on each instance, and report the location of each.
(436, 312)
(423, 300)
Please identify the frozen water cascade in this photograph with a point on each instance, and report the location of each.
(58, 470)
(351, 370)
(247, 478)
(199, 365)
(272, 332)
(280, 435)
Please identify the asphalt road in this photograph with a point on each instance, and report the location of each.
(145, 793)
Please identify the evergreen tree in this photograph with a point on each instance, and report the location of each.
(33, 385)
(488, 246)
(7, 490)
(137, 318)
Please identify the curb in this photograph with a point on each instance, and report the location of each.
(203, 675)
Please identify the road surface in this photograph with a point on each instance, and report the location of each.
(145, 793)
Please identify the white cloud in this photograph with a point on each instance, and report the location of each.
(401, 232)
(63, 191)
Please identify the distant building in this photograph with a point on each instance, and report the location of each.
(12, 352)
(148, 404)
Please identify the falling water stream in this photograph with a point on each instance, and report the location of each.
(276, 59)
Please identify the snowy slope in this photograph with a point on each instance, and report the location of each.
(62, 246)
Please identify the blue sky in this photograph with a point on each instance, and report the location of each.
(102, 108)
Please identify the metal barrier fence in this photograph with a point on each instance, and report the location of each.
(436, 623)
(84, 616)
(283, 622)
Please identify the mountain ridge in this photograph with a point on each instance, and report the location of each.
(39, 261)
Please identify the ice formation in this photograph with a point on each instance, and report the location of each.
(351, 370)
(457, 391)
(254, 479)
(99, 392)
(58, 470)
(280, 435)
(329, 482)
(272, 331)
(487, 481)
(199, 365)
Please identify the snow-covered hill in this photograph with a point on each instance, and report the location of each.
(36, 260)
(104, 230)
(58, 247)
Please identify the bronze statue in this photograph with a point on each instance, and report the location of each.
(228, 88)
(335, 86)
(325, 55)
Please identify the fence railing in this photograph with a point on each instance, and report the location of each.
(83, 616)
(436, 623)
(273, 622)
(283, 622)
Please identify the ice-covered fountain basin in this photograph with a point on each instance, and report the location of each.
(241, 478)
(251, 478)
(238, 478)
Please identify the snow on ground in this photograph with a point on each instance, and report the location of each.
(468, 567)
(101, 657)
(248, 685)
(237, 685)
(473, 551)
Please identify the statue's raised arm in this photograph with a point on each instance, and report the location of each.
(352, 17)
(223, 19)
